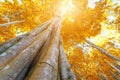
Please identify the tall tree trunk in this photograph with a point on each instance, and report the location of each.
(36, 56)
(103, 51)
(64, 67)
(46, 67)
(10, 43)
(22, 44)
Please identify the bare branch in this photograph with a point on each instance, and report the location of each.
(103, 77)
(10, 23)
(115, 76)
(113, 66)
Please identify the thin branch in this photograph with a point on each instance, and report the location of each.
(103, 51)
(10, 23)
(115, 76)
(113, 66)
(103, 77)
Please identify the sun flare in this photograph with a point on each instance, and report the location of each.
(66, 7)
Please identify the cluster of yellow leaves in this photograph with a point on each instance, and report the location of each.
(90, 65)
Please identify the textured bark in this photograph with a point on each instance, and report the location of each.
(36, 56)
(25, 55)
(103, 51)
(65, 71)
(47, 65)
(22, 44)
(10, 43)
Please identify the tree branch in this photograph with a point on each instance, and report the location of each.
(10, 23)
(113, 66)
(103, 77)
(115, 76)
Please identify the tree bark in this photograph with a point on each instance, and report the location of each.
(24, 56)
(22, 45)
(66, 72)
(46, 67)
(36, 56)
(10, 43)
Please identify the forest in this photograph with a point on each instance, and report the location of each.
(90, 31)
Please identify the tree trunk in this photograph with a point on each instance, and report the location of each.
(21, 45)
(36, 56)
(103, 51)
(6, 45)
(65, 71)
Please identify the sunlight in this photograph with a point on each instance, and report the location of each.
(19, 32)
(92, 3)
(66, 7)
(2, 39)
(1, 0)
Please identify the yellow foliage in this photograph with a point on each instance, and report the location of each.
(99, 25)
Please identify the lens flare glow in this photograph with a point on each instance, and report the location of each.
(66, 7)
(19, 32)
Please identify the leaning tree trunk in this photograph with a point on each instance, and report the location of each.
(36, 55)
(103, 51)
(113, 66)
